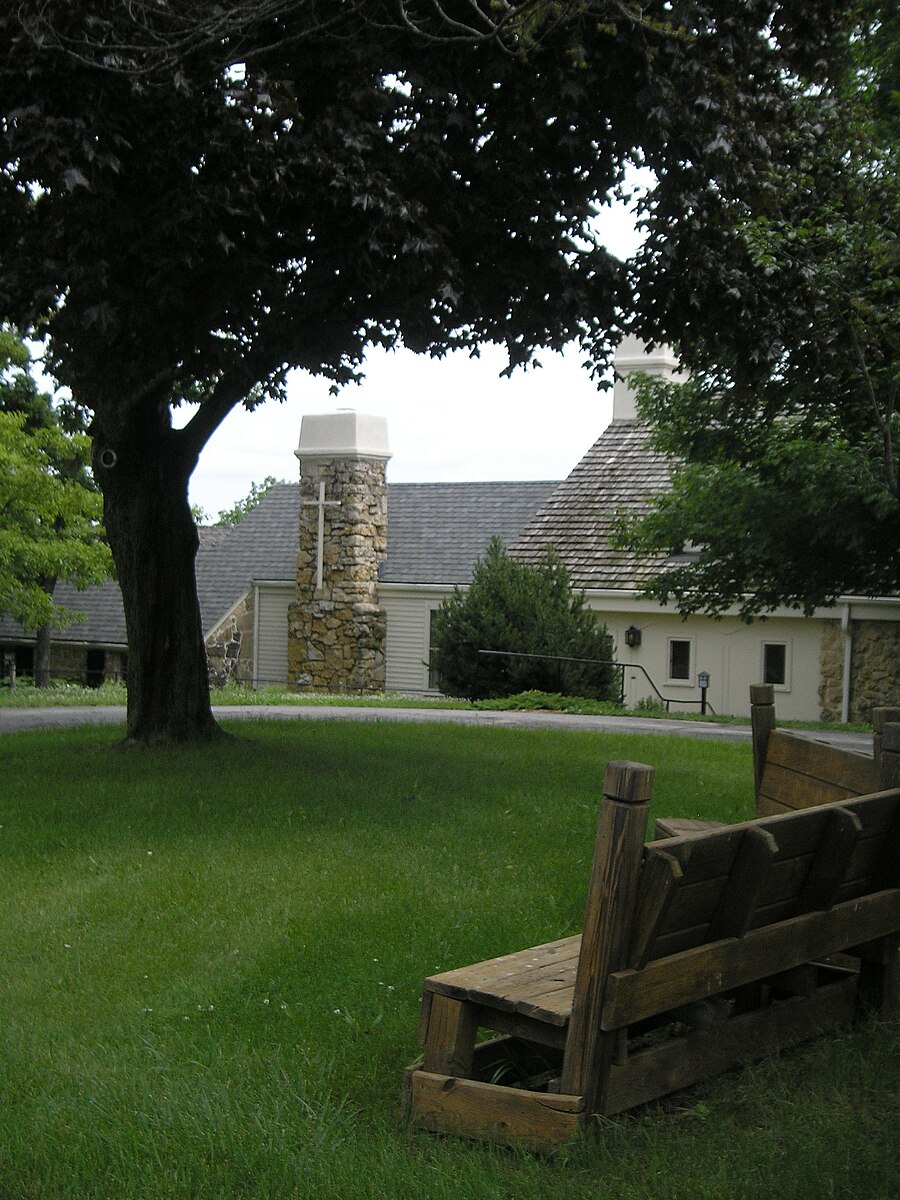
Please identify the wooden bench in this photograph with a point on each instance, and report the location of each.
(795, 771)
(697, 953)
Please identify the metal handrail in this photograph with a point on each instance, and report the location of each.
(603, 662)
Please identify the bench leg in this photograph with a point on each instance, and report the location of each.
(450, 1037)
(879, 975)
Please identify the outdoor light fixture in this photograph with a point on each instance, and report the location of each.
(632, 636)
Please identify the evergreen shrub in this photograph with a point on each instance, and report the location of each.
(522, 609)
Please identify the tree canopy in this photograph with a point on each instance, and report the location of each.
(198, 197)
(789, 453)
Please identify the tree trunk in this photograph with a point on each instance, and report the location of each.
(42, 642)
(143, 473)
(42, 657)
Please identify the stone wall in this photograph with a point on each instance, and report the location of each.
(874, 668)
(336, 633)
(229, 648)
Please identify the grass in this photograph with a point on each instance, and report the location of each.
(214, 957)
(69, 694)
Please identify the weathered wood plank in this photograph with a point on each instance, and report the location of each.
(762, 724)
(734, 911)
(606, 936)
(491, 974)
(666, 827)
(660, 876)
(719, 966)
(886, 746)
(832, 859)
(801, 773)
(821, 760)
(469, 1108)
(886, 871)
(450, 1038)
(879, 976)
(542, 1032)
(683, 1061)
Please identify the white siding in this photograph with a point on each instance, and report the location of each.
(408, 613)
(273, 600)
(730, 650)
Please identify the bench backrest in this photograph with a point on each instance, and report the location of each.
(792, 771)
(729, 881)
(800, 773)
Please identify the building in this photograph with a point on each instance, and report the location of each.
(332, 583)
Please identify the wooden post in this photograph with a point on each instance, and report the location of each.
(886, 747)
(762, 721)
(606, 938)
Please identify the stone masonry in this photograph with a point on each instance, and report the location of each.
(336, 632)
(874, 668)
(229, 648)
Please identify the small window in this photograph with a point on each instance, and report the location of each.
(775, 663)
(679, 659)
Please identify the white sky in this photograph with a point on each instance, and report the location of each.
(449, 420)
(453, 419)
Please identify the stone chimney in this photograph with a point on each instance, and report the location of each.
(633, 355)
(337, 627)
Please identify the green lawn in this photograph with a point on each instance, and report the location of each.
(213, 960)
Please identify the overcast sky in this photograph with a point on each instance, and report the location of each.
(448, 420)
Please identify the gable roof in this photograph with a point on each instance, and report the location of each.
(619, 473)
(436, 533)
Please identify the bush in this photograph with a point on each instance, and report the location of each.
(510, 606)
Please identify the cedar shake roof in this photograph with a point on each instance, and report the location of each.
(619, 473)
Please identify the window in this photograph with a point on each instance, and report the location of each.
(774, 664)
(679, 660)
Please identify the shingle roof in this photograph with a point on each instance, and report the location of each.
(436, 532)
(619, 473)
(261, 546)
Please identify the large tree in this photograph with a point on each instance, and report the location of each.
(199, 196)
(786, 439)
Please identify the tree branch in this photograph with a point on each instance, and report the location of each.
(884, 421)
(144, 39)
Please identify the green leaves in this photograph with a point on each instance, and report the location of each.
(526, 610)
(240, 508)
(49, 523)
(784, 513)
(789, 429)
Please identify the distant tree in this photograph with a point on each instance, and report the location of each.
(512, 606)
(49, 524)
(197, 198)
(240, 508)
(50, 513)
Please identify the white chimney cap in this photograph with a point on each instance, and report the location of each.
(633, 355)
(343, 434)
